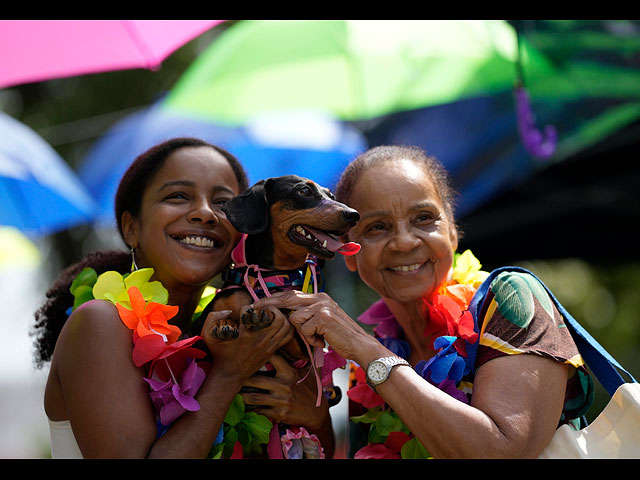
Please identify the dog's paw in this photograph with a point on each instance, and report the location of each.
(257, 319)
(224, 332)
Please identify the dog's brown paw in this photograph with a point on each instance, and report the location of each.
(224, 332)
(257, 319)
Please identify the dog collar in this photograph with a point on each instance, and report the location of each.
(273, 280)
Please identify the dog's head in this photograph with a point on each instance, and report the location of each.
(298, 215)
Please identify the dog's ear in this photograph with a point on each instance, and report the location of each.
(249, 211)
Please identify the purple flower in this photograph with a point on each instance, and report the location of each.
(171, 399)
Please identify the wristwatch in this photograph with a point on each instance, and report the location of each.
(378, 370)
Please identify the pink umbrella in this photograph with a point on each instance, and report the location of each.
(38, 50)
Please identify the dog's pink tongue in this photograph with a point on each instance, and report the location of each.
(333, 245)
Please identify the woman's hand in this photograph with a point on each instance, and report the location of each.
(246, 354)
(288, 401)
(318, 318)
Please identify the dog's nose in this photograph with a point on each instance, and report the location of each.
(351, 216)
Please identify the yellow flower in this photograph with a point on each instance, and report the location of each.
(207, 296)
(114, 287)
(466, 269)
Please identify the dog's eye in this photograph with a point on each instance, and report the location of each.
(305, 191)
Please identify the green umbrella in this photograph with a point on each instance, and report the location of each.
(353, 69)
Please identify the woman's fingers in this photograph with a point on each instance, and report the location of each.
(290, 299)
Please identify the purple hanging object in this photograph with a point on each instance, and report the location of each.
(537, 144)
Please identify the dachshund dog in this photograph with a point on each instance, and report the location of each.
(285, 221)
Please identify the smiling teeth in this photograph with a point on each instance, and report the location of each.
(198, 241)
(406, 268)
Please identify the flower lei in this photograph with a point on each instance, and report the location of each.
(176, 369)
(451, 326)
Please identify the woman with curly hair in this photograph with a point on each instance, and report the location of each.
(132, 374)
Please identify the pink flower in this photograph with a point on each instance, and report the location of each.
(332, 360)
(363, 394)
(152, 348)
(378, 314)
(376, 451)
(297, 443)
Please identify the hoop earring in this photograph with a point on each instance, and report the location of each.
(134, 267)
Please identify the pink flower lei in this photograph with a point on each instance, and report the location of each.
(454, 334)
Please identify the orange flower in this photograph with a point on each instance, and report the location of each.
(149, 319)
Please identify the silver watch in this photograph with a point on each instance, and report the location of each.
(378, 370)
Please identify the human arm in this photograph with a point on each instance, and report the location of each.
(519, 421)
(107, 400)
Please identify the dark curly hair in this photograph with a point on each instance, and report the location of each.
(389, 153)
(52, 315)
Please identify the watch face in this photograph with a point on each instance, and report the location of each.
(377, 371)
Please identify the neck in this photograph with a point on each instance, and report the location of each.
(186, 298)
(412, 318)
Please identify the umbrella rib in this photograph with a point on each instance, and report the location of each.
(141, 45)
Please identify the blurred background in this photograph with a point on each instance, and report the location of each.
(538, 122)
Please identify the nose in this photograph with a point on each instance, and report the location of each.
(351, 216)
(404, 239)
(203, 212)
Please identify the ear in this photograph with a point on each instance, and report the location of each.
(351, 263)
(249, 211)
(129, 230)
(453, 236)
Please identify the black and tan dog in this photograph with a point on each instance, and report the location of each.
(286, 220)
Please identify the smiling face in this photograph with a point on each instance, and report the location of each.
(406, 236)
(181, 231)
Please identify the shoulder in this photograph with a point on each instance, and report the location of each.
(96, 316)
(519, 297)
(93, 330)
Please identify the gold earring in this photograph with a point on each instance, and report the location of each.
(134, 267)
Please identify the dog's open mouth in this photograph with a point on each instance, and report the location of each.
(322, 243)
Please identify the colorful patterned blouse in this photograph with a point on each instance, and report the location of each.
(517, 317)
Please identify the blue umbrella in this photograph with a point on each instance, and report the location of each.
(39, 193)
(303, 143)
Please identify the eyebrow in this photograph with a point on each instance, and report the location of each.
(174, 183)
(189, 183)
(417, 206)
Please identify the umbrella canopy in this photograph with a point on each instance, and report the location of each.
(37, 50)
(39, 192)
(486, 142)
(483, 157)
(306, 144)
(352, 69)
